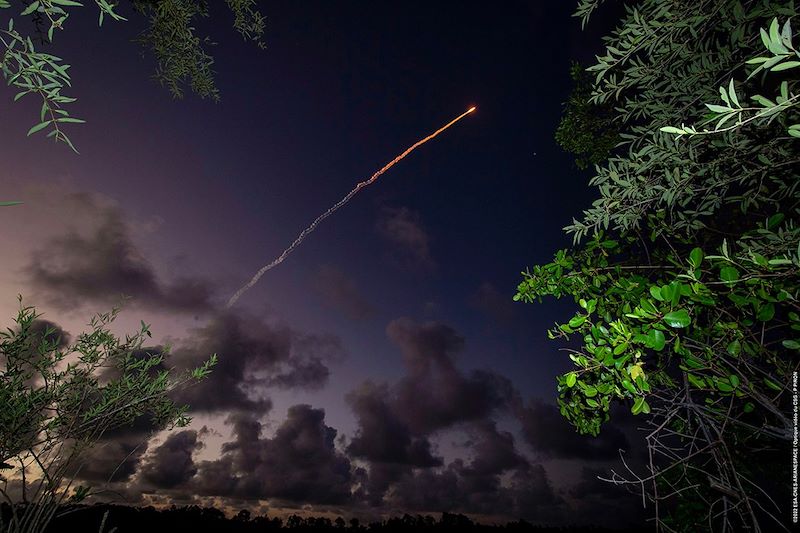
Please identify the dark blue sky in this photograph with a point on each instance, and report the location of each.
(408, 287)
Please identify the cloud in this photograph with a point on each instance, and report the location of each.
(477, 486)
(254, 356)
(171, 464)
(118, 454)
(299, 464)
(395, 422)
(341, 293)
(403, 228)
(497, 306)
(72, 269)
(435, 394)
(550, 434)
(383, 437)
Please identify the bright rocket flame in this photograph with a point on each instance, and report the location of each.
(339, 204)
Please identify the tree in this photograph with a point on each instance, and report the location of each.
(181, 56)
(59, 400)
(588, 130)
(685, 268)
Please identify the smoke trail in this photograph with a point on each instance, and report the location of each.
(339, 204)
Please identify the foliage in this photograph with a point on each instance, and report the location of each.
(586, 130)
(685, 269)
(59, 401)
(180, 55)
(179, 52)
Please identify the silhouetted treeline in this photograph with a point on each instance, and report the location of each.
(126, 519)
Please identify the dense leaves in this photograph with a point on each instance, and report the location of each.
(180, 54)
(60, 399)
(685, 269)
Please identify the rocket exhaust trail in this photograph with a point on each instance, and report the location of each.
(339, 204)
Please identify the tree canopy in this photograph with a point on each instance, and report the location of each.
(182, 57)
(685, 267)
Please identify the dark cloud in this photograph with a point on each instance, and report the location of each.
(395, 422)
(436, 394)
(477, 486)
(341, 293)
(299, 464)
(71, 269)
(171, 464)
(550, 434)
(118, 454)
(403, 228)
(253, 356)
(383, 437)
(497, 306)
(51, 332)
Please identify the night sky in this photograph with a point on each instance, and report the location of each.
(383, 367)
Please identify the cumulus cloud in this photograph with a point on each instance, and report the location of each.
(383, 437)
(395, 423)
(403, 228)
(71, 269)
(477, 486)
(171, 464)
(340, 293)
(299, 464)
(436, 394)
(118, 454)
(253, 357)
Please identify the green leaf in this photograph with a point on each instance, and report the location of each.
(791, 344)
(638, 403)
(40, 126)
(645, 407)
(672, 129)
(577, 321)
(732, 93)
(31, 8)
(718, 108)
(657, 339)
(571, 378)
(4, 204)
(774, 220)
(677, 319)
(785, 66)
(655, 292)
(696, 257)
(766, 313)
(734, 348)
(728, 274)
(629, 386)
